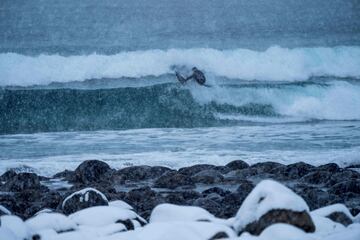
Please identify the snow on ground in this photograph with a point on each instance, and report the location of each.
(55, 221)
(102, 215)
(266, 196)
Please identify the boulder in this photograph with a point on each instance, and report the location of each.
(316, 177)
(7, 175)
(55, 221)
(330, 167)
(336, 212)
(66, 174)
(237, 165)
(175, 213)
(192, 170)
(221, 192)
(207, 177)
(92, 171)
(266, 167)
(293, 171)
(23, 181)
(173, 180)
(210, 203)
(271, 202)
(99, 216)
(347, 186)
(140, 173)
(341, 176)
(143, 199)
(85, 198)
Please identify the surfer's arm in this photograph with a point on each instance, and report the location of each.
(189, 77)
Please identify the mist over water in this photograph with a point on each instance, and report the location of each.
(71, 69)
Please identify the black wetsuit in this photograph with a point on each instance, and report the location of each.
(198, 76)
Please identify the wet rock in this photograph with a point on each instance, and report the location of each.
(316, 177)
(293, 171)
(217, 190)
(301, 220)
(237, 165)
(144, 200)
(342, 176)
(231, 204)
(245, 187)
(237, 176)
(140, 173)
(66, 174)
(51, 199)
(91, 171)
(208, 204)
(330, 167)
(346, 186)
(266, 167)
(23, 181)
(192, 170)
(315, 197)
(207, 177)
(7, 175)
(222, 169)
(173, 180)
(85, 198)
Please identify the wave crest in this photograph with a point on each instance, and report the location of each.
(274, 64)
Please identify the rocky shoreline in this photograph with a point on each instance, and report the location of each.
(220, 190)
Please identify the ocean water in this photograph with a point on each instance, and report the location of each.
(95, 80)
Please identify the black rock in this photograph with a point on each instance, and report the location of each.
(91, 171)
(340, 217)
(4, 211)
(301, 220)
(7, 175)
(143, 200)
(316, 177)
(192, 170)
(231, 204)
(219, 235)
(266, 167)
(23, 181)
(342, 176)
(237, 165)
(346, 186)
(207, 177)
(330, 167)
(210, 205)
(139, 173)
(173, 180)
(216, 190)
(66, 174)
(245, 187)
(85, 198)
(293, 171)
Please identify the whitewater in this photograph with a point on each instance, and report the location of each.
(274, 64)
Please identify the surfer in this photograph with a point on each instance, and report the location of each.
(198, 76)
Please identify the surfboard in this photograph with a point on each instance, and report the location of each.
(180, 78)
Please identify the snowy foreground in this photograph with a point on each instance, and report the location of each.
(270, 211)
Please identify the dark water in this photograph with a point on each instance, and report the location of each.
(110, 26)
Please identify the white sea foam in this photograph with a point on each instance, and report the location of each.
(338, 100)
(276, 63)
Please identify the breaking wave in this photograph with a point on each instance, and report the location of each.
(274, 64)
(167, 105)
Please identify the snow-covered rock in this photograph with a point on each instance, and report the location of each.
(177, 231)
(169, 213)
(271, 202)
(16, 226)
(336, 212)
(87, 197)
(324, 226)
(105, 215)
(4, 211)
(120, 204)
(7, 234)
(281, 231)
(56, 221)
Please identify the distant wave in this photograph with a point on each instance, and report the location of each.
(274, 64)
